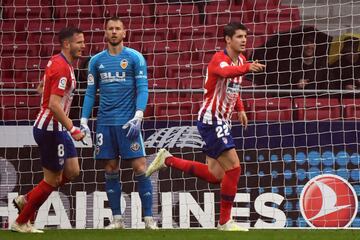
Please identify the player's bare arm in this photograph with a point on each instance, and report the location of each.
(243, 119)
(57, 109)
(40, 87)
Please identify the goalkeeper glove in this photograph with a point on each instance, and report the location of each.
(134, 125)
(84, 126)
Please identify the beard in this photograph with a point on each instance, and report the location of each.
(74, 54)
(114, 44)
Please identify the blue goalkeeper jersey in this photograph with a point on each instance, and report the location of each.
(122, 83)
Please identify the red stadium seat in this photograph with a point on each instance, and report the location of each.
(130, 12)
(175, 108)
(351, 109)
(269, 109)
(77, 12)
(13, 25)
(258, 29)
(196, 32)
(180, 15)
(261, 4)
(26, 3)
(76, 2)
(317, 108)
(254, 41)
(26, 12)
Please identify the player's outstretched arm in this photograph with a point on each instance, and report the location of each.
(256, 67)
(57, 109)
(224, 70)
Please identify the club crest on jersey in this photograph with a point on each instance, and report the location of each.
(124, 63)
(62, 83)
(135, 146)
(225, 140)
(49, 63)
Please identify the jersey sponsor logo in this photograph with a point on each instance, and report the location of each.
(101, 66)
(108, 77)
(49, 63)
(135, 146)
(90, 80)
(328, 201)
(224, 64)
(233, 87)
(62, 83)
(124, 63)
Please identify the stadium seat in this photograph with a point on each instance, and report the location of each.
(196, 32)
(180, 15)
(33, 78)
(129, 12)
(26, 12)
(77, 12)
(309, 109)
(261, 4)
(351, 109)
(77, 2)
(254, 41)
(12, 25)
(26, 3)
(19, 107)
(14, 38)
(269, 109)
(175, 108)
(258, 29)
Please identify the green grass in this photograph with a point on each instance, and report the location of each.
(183, 235)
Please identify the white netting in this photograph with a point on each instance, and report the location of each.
(296, 131)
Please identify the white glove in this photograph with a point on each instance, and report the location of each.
(84, 126)
(134, 125)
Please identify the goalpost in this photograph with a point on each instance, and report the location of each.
(300, 153)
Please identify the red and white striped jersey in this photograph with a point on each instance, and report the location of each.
(59, 79)
(222, 86)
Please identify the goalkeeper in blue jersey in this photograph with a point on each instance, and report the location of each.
(120, 74)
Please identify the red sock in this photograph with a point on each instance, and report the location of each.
(35, 199)
(228, 191)
(194, 168)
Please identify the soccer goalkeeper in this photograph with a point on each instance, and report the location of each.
(120, 74)
(222, 86)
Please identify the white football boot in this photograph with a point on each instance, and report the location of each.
(158, 163)
(150, 223)
(231, 226)
(117, 223)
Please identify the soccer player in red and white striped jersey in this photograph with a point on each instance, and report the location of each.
(222, 87)
(57, 151)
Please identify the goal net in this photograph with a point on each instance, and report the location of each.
(299, 155)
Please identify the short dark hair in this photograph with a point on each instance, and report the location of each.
(230, 29)
(114, 18)
(68, 32)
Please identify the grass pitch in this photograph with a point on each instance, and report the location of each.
(183, 235)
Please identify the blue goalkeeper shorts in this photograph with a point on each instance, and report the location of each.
(217, 138)
(55, 147)
(111, 143)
